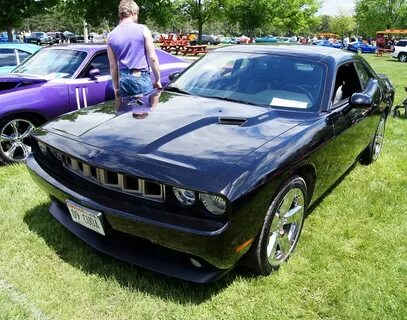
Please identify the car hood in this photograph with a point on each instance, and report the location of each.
(11, 81)
(193, 132)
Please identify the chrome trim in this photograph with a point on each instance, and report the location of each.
(78, 104)
(85, 100)
(85, 170)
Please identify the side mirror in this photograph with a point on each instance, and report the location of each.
(94, 73)
(172, 76)
(360, 100)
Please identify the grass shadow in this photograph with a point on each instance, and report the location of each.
(78, 254)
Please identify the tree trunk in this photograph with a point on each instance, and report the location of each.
(10, 33)
(200, 23)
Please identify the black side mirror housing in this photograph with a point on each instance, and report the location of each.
(94, 73)
(360, 100)
(172, 76)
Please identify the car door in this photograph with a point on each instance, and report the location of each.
(352, 125)
(86, 90)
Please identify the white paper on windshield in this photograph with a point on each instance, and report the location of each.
(289, 103)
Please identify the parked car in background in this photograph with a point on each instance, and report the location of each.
(54, 81)
(400, 50)
(4, 37)
(56, 36)
(327, 43)
(228, 40)
(39, 38)
(266, 39)
(70, 37)
(243, 39)
(285, 40)
(12, 54)
(210, 39)
(221, 171)
(361, 47)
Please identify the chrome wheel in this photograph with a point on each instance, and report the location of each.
(403, 57)
(378, 139)
(14, 140)
(286, 227)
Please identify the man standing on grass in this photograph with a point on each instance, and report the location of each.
(131, 53)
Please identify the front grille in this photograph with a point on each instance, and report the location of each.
(114, 180)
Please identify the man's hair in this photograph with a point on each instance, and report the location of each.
(127, 8)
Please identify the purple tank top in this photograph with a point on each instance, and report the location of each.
(127, 42)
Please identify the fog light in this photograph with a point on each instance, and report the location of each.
(195, 263)
(185, 196)
(214, 204)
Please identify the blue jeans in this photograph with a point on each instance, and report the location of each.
(131, 85)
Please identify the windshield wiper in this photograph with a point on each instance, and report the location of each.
(176, 89)
(239, 101)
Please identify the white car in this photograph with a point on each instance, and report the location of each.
(400, 50)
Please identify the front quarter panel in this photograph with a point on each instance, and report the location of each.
(48, 99)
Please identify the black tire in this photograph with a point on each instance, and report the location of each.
(259, 256)
(5, 130)
(373, 150)
(402, 57)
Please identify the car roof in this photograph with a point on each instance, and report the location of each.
(88, 47)
(22, 46)
(316, 53)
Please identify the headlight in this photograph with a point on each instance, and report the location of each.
(185, 196)
(214, 204)
(42, 147)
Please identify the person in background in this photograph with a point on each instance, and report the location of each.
(131, 53)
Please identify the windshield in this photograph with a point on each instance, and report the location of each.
(261, 79)
(60, 63)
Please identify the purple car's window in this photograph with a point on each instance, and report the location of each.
(57, 63)
(260, 79)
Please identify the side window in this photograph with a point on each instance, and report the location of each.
(23, 55)
(363, 74)
(346, 83)
(100, 62)
(7, 58)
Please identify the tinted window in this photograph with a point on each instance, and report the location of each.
(100, 62)
(401, 43)
(261, 79)
(7, 58)
(59, 63)
(363, 74)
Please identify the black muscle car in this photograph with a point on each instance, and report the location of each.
(220, 167)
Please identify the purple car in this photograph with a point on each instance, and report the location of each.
(54, 81)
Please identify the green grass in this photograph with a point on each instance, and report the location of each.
(351, 262)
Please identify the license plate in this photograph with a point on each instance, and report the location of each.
(87, 217)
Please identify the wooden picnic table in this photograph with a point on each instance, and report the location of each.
(195, 49)
(380, 51)
(174, 45)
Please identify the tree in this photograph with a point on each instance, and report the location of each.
(99, 12)
(295, 16)
(342, 25)
(375, 15)
(250, 15)
(13, 12)
(201, 11)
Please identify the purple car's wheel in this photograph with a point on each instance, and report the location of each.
(14, 136)
(281, 228)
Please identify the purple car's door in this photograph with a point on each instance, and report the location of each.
(86, 90)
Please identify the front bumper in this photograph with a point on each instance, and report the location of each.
(157, 246)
